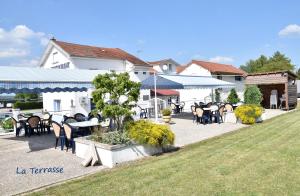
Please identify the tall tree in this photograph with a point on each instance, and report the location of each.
(277, 62)
(298, 73)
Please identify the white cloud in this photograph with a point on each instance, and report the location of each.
(290, 30)
(27, 63)
(12, 52)
(141, 42)
(221, 59)
(197, 57)
(18, 41)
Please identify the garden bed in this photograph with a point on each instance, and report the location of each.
(112, 155)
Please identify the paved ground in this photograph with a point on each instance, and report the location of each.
(187, 132)
(36, 151)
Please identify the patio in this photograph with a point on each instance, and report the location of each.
(39, 152)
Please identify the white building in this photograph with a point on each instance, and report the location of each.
(63, 55)
(171, 66)
(224, 72)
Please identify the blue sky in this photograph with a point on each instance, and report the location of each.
(223, 31)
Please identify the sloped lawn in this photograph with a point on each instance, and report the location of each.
(260, 160)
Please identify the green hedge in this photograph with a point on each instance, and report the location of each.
(28, 105)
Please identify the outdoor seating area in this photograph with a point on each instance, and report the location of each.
(211, 112)
(65, 128)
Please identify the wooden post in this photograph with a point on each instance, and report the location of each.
(286, 96)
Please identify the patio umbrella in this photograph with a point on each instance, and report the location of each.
(158, 82)
(161, 83)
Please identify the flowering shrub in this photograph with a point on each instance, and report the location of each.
(146, 132)
(248, 113)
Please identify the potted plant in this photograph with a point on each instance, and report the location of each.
(166, 115)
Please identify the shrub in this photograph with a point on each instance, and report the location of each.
(146, 132)
(252, 95)
(116, 137)
(28, 105)
(217, 96)
(248, 113)
(7, 124)
(233, 98)
(166, 112)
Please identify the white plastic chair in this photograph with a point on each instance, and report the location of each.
(273, 99)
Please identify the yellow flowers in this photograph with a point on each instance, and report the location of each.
(248, 113)
(146, 132)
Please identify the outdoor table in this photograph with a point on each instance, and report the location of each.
(85, 124)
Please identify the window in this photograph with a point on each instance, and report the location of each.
(136, 73)
(72, 103)
(56, 105)
(144, 73)
(238, 78)
(145, 97)
(54, 56)
(170, 67)
(219, 77)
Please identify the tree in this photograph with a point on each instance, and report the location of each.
(233, 97)
(253, 66)
(26, 96)
(217, 96)
(114, 95)
(277, 62)
(298, 73)
(252, 95)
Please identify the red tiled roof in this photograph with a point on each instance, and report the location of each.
(180, 68)
(165, 92)
(78, 50)
(158, 62)
(216, 68)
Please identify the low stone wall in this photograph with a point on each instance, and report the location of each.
(112, 155)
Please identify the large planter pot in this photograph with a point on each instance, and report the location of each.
(166, 119)
(112, 155)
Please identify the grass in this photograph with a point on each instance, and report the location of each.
(263, 159)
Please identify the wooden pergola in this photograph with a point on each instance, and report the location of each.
(282, 81)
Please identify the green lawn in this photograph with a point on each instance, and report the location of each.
(260, 160)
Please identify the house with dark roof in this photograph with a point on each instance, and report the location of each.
(64, 55)
(220, 71)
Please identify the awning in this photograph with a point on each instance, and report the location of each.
(198, 81)
(161, 83)
(165, 92)
(38, 80)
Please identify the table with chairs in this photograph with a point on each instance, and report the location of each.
(33, 124)
(78, 125)
(211, 112)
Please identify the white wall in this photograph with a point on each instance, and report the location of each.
(60, 58)
(66, 97)
(196, 70)
(189, 96)
(239, 87)
(100, 64)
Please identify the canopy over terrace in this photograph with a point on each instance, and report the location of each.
(39, 80)
(199, 81)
